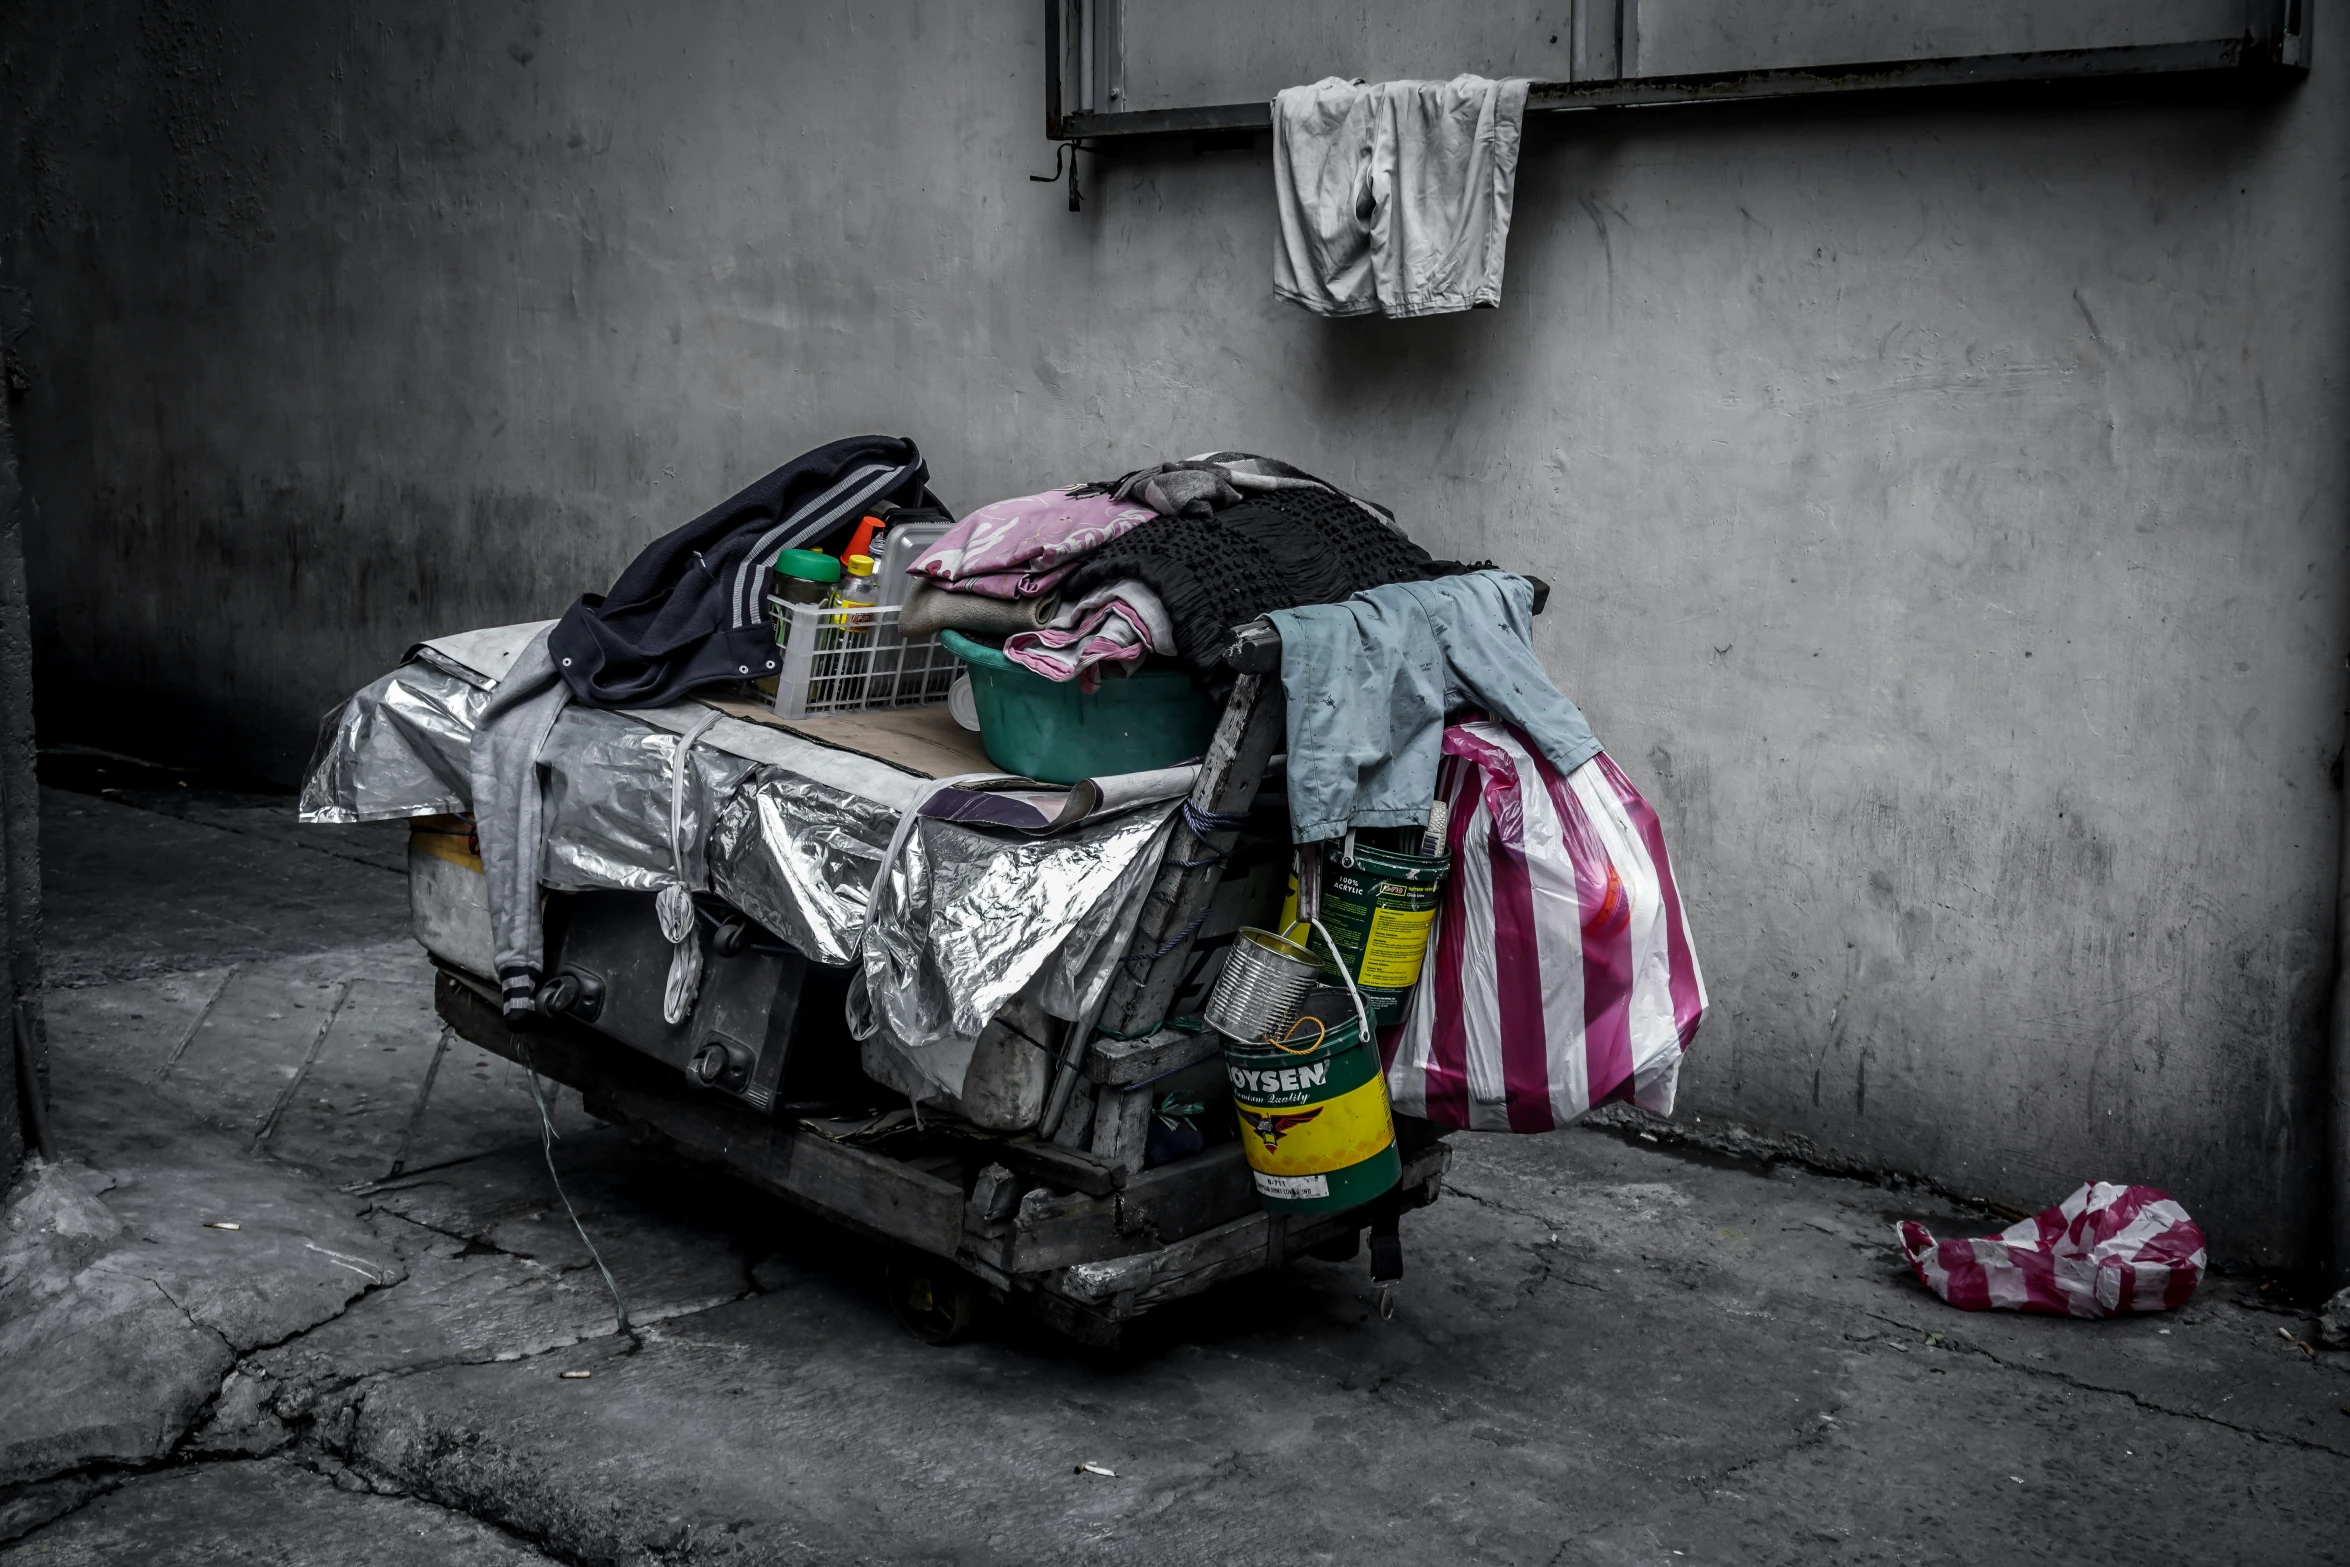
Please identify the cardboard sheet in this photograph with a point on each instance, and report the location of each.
(924, 741)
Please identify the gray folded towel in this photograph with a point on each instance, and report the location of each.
(931, 608)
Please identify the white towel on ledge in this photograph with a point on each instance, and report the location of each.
(1396, 196)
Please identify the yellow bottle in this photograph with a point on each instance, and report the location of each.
(859, 589)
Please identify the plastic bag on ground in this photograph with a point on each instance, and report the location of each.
(2105, 1249)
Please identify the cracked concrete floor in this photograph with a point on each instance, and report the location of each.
(1606, 1351)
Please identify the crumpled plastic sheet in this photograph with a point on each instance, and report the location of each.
(2104, 1250)
(971, 918)
(398, 748)
(799, 857)
(607, 803)
(967, 920)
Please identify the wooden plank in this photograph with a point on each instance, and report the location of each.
(1162, 1204)
(1237, 1247)
(1066, 1317)
(1206, 1278)
(1121, 1128)
(1060, 1166)
(1075, 1130)
(1054, 1229)
(1117, 1062)
(873, 1189)
(1246, 738)
(1211, 1187)
(920, 740)
(1245, 1241)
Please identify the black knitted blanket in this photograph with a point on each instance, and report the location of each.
(1275, 550)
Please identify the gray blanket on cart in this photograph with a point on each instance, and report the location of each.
(509, 819)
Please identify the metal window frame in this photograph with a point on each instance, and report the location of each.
(1085, 71)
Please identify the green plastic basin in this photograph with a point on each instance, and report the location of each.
(1051, 731)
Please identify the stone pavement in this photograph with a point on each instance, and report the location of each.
(1608, 1349)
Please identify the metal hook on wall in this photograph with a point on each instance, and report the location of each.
(1066, 152)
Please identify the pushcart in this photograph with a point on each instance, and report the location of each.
(1072, 1222)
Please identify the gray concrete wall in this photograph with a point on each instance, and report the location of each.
(26, 1054)
(1946, 506)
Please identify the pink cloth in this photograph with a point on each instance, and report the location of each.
(1115, 636)
(1011, 584)
(2105, 1249)
(1029, 535)
(1116, 624)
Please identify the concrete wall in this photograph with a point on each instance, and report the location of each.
(22, 1118)
(1946, 506)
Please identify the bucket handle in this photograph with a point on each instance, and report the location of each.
(1321, 1033)
(1362, 1015)
(1309, 912)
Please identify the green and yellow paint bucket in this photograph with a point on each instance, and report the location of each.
(1378, 906)
(1314, 1121)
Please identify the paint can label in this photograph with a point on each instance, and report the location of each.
(1293, 1187)
(1306, 1138)
(1396, 948)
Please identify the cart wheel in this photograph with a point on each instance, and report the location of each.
(933, 1300)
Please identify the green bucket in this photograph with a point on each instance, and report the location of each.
(1379, 908)
(1314, 1121)
(1051, 731)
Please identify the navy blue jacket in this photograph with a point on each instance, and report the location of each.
(692, 609)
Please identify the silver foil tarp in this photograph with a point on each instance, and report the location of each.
(800, 858)
(606, 795)
(795, 847)
(968, 919)
(397, 749)
(789, 831)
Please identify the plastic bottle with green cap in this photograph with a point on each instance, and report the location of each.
(805, 576)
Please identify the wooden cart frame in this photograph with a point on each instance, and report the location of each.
(1069, 1224)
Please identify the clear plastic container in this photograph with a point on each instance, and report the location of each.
(858, 589)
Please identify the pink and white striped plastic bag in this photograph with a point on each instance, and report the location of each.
(2105, 1249)
(1559, 974)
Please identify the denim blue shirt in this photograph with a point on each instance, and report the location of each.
(1369, 681)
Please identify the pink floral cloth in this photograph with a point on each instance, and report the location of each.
(1010, 584)
(1006, 549)
(1119, 623)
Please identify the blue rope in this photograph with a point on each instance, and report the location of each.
(1205, 822)
(1202, 823)
(1174, 941)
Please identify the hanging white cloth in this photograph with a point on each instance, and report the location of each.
(1395, 197)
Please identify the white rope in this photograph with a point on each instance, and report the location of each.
(675, 904)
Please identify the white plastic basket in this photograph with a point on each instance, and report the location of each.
(838, 660)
